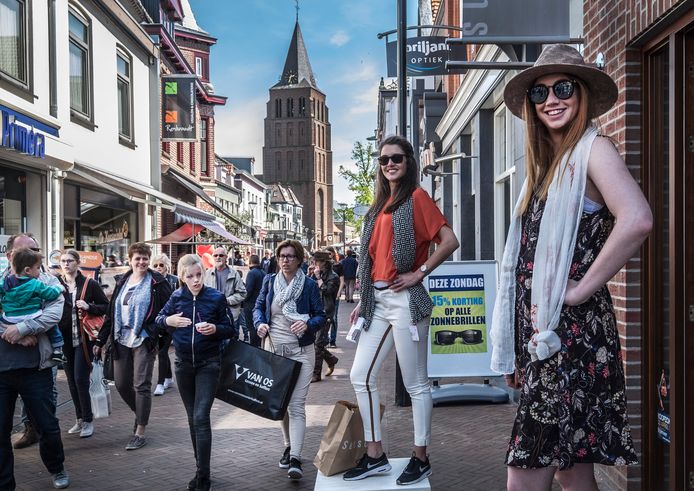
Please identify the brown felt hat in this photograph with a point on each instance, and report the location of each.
(561, 58)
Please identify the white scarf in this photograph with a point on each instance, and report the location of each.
(288, 294)
(553, 256)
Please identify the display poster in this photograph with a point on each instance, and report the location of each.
(463, 294)
(178, 108)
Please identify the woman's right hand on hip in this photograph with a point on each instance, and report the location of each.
(262, 330)
(355, 313)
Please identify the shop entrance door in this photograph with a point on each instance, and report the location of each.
(668, 342)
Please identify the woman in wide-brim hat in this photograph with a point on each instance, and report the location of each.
(579, 218)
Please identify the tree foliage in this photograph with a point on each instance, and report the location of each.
(361, 180)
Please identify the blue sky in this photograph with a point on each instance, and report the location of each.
(347, 60)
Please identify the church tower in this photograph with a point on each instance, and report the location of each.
(297, 142)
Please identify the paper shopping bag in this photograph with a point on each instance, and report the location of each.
(343, 440)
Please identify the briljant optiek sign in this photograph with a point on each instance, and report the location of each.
(20, 138)
(425, 56)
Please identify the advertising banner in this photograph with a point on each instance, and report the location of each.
(426, 56)
(463, 294)
(178, 108)
(529, 18)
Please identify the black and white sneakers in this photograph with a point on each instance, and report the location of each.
(284, 461)
(295, 471)
(367, 467)
(415, 471)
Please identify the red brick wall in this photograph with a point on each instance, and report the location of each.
(609, 26)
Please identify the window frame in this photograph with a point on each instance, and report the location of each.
(128, 140)
(23, 88)
(504, 172)
(76, 116)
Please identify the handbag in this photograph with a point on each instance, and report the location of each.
(256, 380)
(343, 439)
(99, 392)
(91, 323)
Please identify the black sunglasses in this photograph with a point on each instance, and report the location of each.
(563, 89)
(468, 336)
(396, 158)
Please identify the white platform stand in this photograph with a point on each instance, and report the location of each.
(373, 483)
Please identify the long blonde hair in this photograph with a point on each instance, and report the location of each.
(541, 161)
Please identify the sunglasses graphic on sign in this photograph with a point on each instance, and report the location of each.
(468, 336)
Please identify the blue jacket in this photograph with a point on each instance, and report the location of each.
(349, 267)
(210, 306)
(309, 302)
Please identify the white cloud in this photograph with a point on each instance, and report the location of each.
(365, 101)
(239, 129)
(340, 38)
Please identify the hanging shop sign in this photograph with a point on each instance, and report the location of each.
(178, 108)
(426, 56)
(21, 138)
(663, 424)
(463, 294)
(511, 18)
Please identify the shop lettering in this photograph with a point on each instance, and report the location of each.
(22, 139)
(348, 445)
(426, 47)
(252, 377)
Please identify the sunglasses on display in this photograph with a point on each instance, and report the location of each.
(396, 158)
(468, 336)
(563, 89)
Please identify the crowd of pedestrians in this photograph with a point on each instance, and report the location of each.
(579, 218)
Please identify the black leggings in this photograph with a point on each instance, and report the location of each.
(164, 367)
(77, 371)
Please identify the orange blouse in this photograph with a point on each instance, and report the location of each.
(428, 220)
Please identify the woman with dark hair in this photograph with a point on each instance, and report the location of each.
(290, 310)
(131, 328)
(579, 218)
(395, 307)
(82, 295)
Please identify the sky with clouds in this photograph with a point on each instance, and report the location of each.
(347, 59)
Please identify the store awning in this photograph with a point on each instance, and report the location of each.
(188, 230)
(198, 191)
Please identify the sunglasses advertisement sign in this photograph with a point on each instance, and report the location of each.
(463, 294)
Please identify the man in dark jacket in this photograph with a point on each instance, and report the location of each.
(329, 284)
(254, 281)
(349, 271)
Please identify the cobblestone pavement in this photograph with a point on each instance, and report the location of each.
(467, 452)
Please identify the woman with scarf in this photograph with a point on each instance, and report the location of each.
(290, 310)
(579, 218)
(395, 307)
(131, 328)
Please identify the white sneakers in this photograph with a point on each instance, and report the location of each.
(87, 430)
(84, 428)
(77, 428)
(160, 388)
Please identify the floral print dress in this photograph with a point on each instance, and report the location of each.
(572, 406)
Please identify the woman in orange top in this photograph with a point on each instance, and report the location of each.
(395, 307)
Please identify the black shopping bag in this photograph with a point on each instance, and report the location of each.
(256, 380)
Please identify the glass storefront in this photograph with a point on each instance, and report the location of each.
(98, 221)
(12, 201)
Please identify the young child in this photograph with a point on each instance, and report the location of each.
(22, 294)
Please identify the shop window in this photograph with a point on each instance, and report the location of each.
(14, 42)
(125, 101)
(204, 169)
(504, 177)
(80, 65)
